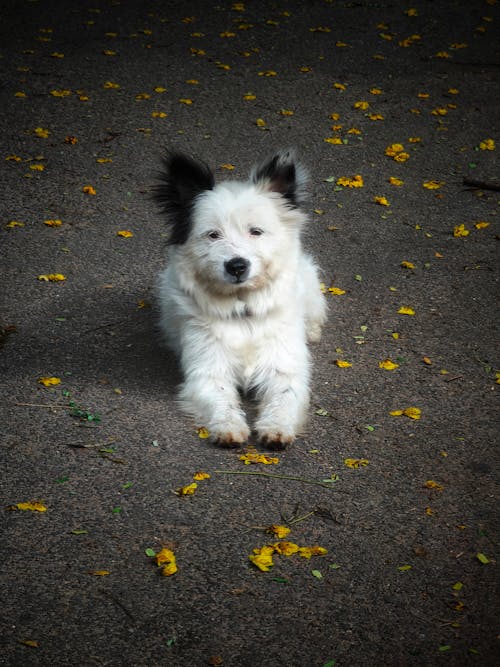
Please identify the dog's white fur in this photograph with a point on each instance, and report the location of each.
(244, 325)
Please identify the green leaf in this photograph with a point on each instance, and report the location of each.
(330, 480)
(322, 412)
(458, 586)
(127, 485)
(330, 663)
(358, 278)
(116, 510)
(171, 641)
(330, 179)
(369, 428)
(482, 558)
(79, 531)
(335, 566)
(443, 649)
(150, 552)
(404, 568)
(62, 480)
(280, 580)
(317, 574)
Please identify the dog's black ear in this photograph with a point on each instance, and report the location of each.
(282, 173)
(182, 179)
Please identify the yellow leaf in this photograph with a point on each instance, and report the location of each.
(52, 223)
(52, 277)
(186, 100)
(337, 141)
(354, 182)
(427, 361)
(407, 265)
(164, 556)
(99, 573)
(32, 643)
(356, 463)
(89, 190)
(285, 548)
(382, 201)
(158, 114)
(394, 149)
(203, 433)
(33, 506)
(14, 223)
(460, 231)
(406, 310)
(413, 413)
(279, 531)
(433, 185)
(342, 364)
(41, 132)
(124, 233)
(260, 122)
(396, 413)
(339, 86)
(481, 225)
(255, 457)
(49, 381)
(431, 484)
(362, 105)
(169, 569)
(199, 476)
(487, 145)
(308, 552)
(187, 490)
(110, 85)
(429, 511)
(336, 290)
(388, 365)
(263, 558)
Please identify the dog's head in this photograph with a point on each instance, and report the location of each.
(234, 235)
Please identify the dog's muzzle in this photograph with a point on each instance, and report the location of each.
(237, 269)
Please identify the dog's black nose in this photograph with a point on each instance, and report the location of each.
(238, 267)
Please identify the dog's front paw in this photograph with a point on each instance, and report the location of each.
(230, 435)
(276, 440)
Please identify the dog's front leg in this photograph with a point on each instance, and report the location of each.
(283, 404)
(210, 395)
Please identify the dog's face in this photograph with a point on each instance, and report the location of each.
(235, 236)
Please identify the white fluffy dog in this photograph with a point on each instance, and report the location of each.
(239, 297)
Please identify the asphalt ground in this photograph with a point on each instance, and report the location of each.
(407, 509)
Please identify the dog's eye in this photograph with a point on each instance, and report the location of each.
(214, 235)
(255, 231)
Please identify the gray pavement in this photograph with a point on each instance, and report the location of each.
(92, 93)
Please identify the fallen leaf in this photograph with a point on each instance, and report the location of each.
(406, 310)
(388, 365)
(198, 476)
(356, 463)
(279, 531)
(431, 484)
(342, 364)
(32, 506)
(187, 490)
(49, 381)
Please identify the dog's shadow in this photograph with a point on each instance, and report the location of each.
(109, 339)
